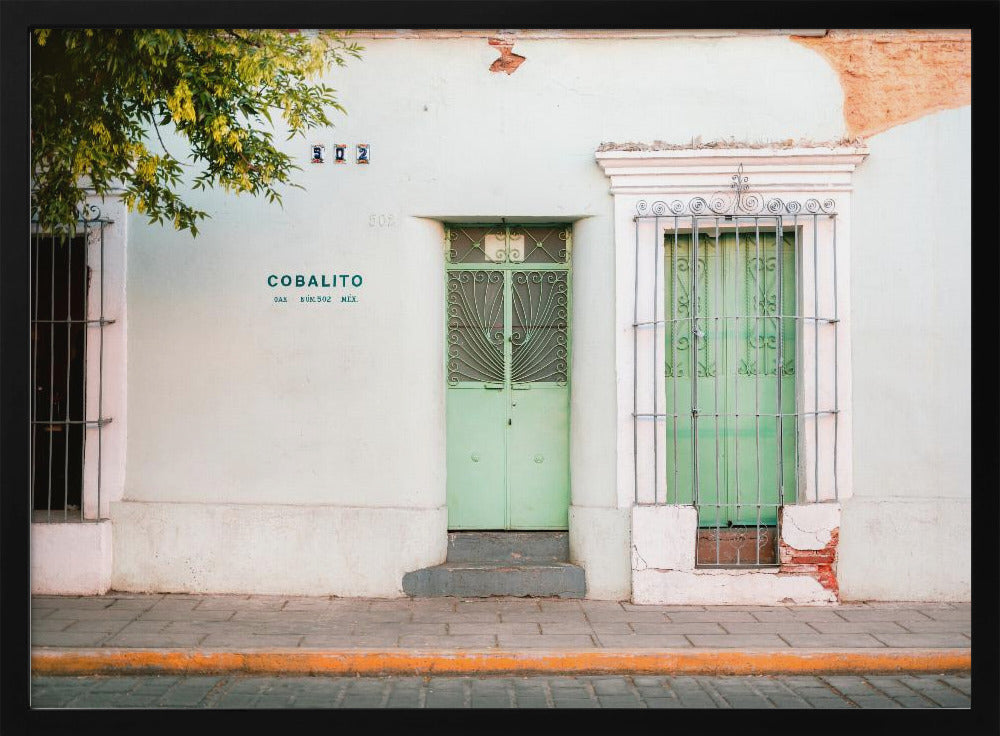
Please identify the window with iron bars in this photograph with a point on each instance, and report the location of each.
(67, 362)
(740, 413)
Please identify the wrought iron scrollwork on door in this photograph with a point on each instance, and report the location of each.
(475, 326)
(540, 244)
(538, 326)
(475, 244)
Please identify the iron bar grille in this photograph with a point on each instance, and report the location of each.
(65, 312)
(735, 378)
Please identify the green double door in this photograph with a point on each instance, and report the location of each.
(507, 369)
(736, 457)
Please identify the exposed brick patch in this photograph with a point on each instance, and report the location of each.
(818, 563)
(892, 77)
(508, 61)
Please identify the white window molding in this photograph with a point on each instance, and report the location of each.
(104, 467)
(660, 178)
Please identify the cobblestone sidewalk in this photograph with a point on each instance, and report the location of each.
(254, 622)
(904, 691)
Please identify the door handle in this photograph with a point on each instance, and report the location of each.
(520, 386)
(493, 386)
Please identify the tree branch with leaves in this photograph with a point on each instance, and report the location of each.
(99, 98)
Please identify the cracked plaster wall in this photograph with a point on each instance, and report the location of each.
(664, 572)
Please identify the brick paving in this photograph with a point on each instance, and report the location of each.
(125, 620)
(595, 691)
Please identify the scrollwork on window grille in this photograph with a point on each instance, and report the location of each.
(764, 316)
(739, 200)
(679, 331)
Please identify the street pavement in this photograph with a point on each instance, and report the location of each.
(125, 650)
(593, 691)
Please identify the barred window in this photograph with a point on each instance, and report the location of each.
(67, 322)
(738, 413)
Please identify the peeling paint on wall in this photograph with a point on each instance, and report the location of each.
(895, 76)
(508, 61)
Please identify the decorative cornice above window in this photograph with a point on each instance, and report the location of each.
(784, 170)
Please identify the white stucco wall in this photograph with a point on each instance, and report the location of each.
(272, 549)
(236, 400)
(599, 539)
(71, 558)
(906, 531)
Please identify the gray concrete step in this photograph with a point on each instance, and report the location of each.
(479, 579)
(516, 548)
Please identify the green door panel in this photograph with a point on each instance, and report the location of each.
(508, 377)
(476, 458)
(538, 458)
(734, 292)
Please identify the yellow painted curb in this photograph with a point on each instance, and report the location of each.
(463, 662)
